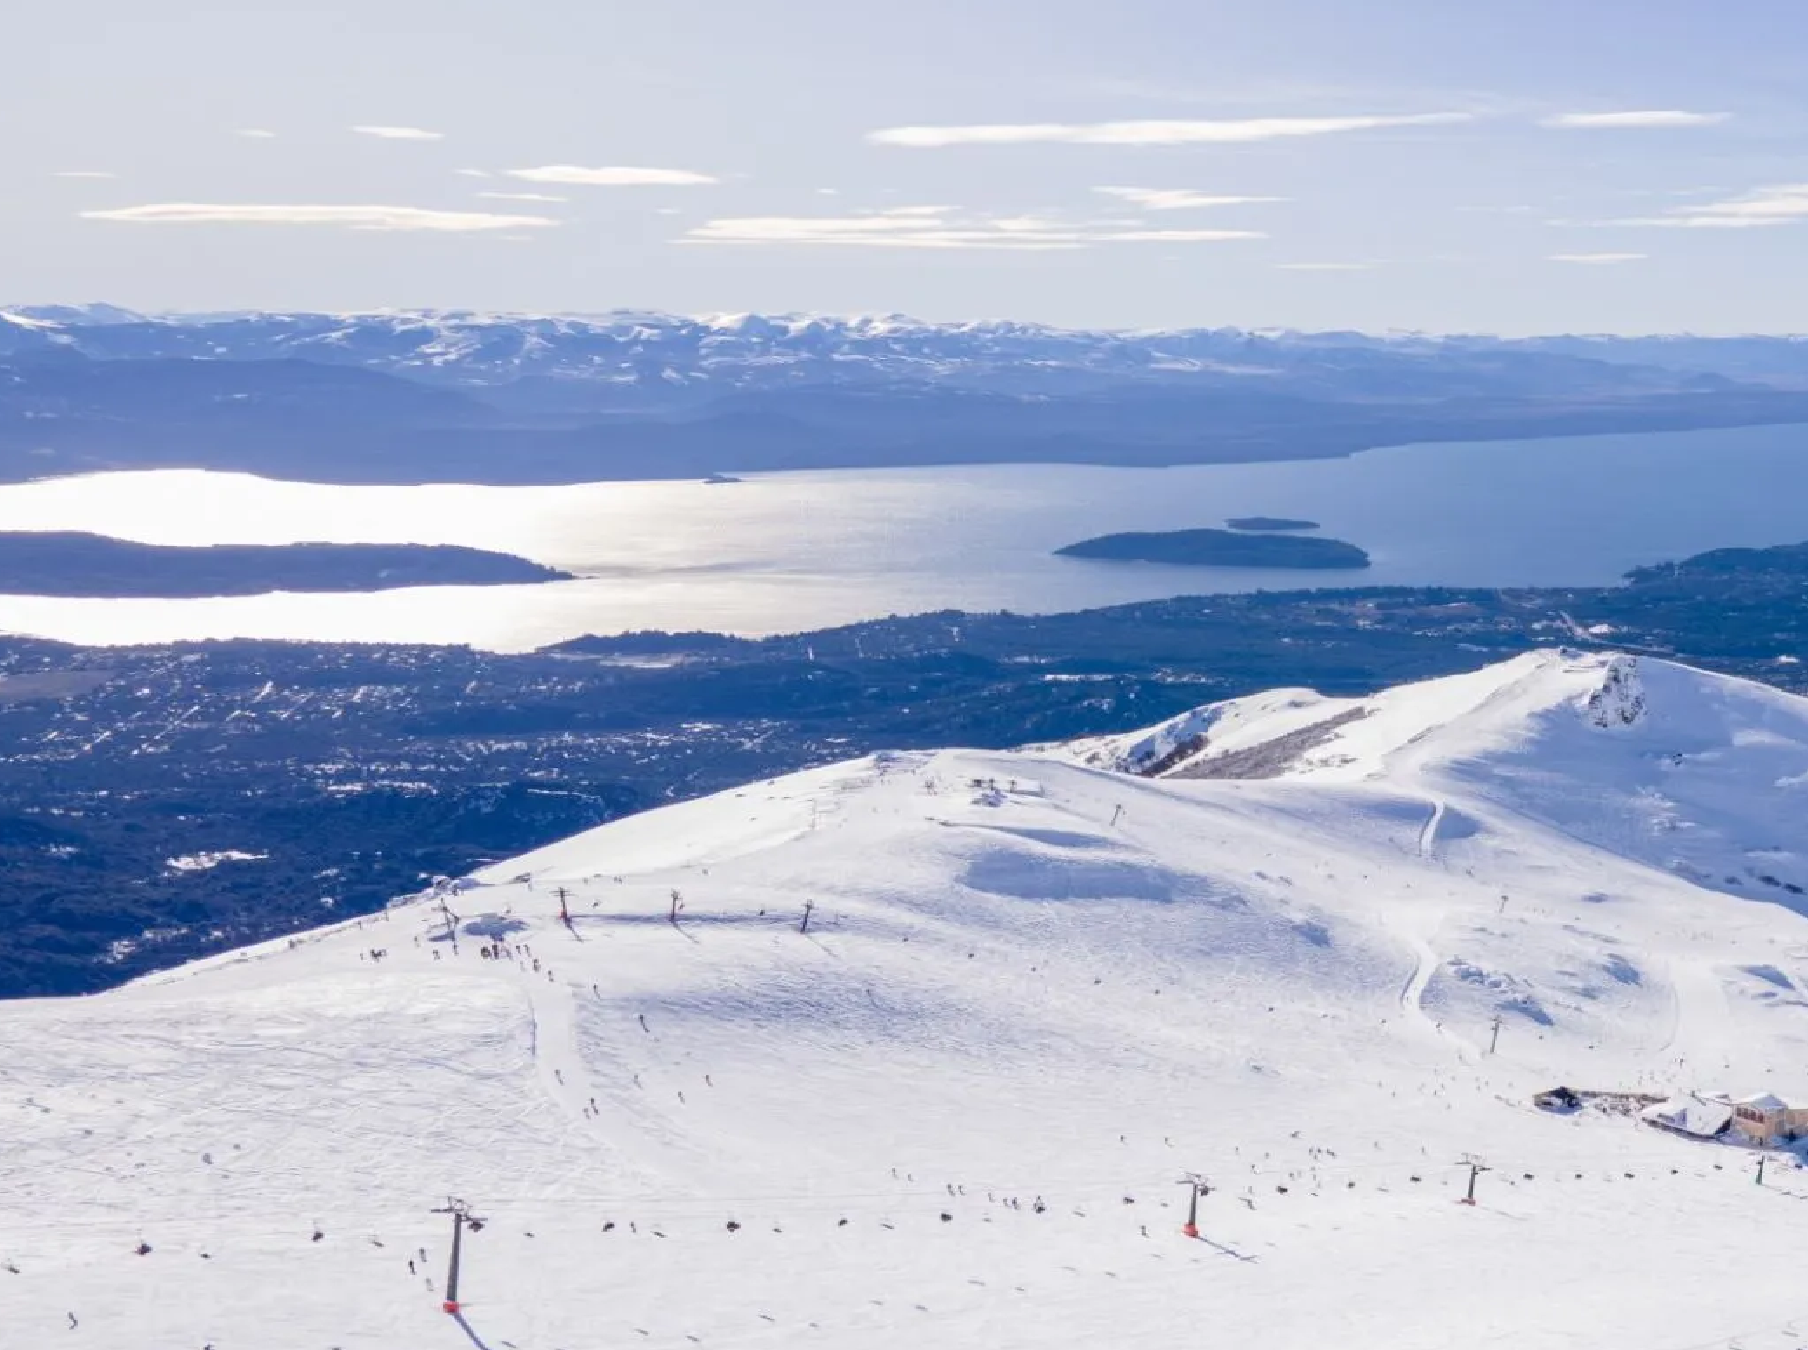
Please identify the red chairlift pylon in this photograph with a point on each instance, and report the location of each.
(461, 1216)
(1196, 1186)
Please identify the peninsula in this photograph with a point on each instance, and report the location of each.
(1220, 548)
(91, 565)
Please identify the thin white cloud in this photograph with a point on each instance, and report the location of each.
(938, 227)
(522, 197)
(1598, 259)
(1325, 267)
(400, 133)
(82, 173)
(874, 231)
(1693, 222)
(255, 134)
(472, 173)
(1176, 199)
(1635, 119)
(1150, 132)
(381, 218)
(1176, 236)
(1762, 207)
(618, 175)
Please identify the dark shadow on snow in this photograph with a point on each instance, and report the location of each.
(1228, 1251)
(470, 1331)
(690, 919)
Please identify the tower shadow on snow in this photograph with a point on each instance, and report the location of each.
(471, 1332)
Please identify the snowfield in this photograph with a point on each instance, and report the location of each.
(1034, 993)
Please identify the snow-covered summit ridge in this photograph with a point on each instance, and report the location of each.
(1300, 733)
(911, 1050)
(1700, 774)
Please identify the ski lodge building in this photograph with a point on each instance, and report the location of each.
(1768, 1119)
(1764, 1119)
(1696, 1116)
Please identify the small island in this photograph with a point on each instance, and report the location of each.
(1220, 548)
(1269, 523)
(78, 565)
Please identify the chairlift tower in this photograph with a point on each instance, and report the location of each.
(1476, 1167)
(1196, 1186)
(461, 1219)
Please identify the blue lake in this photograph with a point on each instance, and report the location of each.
(785, 552)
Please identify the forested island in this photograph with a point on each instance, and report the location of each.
(91, 565)
(1219, 548)
(1269, 523)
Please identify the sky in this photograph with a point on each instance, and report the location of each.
(1448, 165)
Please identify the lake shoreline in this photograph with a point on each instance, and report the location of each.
(1657, 417)
(792, 552)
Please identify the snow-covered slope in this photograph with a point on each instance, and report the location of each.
(1032, 994)
(1699, 774)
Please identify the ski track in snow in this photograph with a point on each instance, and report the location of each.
(1428, 836)
(1412, 993)
(1009, 991)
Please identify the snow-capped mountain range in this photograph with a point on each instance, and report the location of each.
(666, 354)
(453, 396)
(913, 1051)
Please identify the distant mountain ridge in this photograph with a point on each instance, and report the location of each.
(665, 354)
(462, 396)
